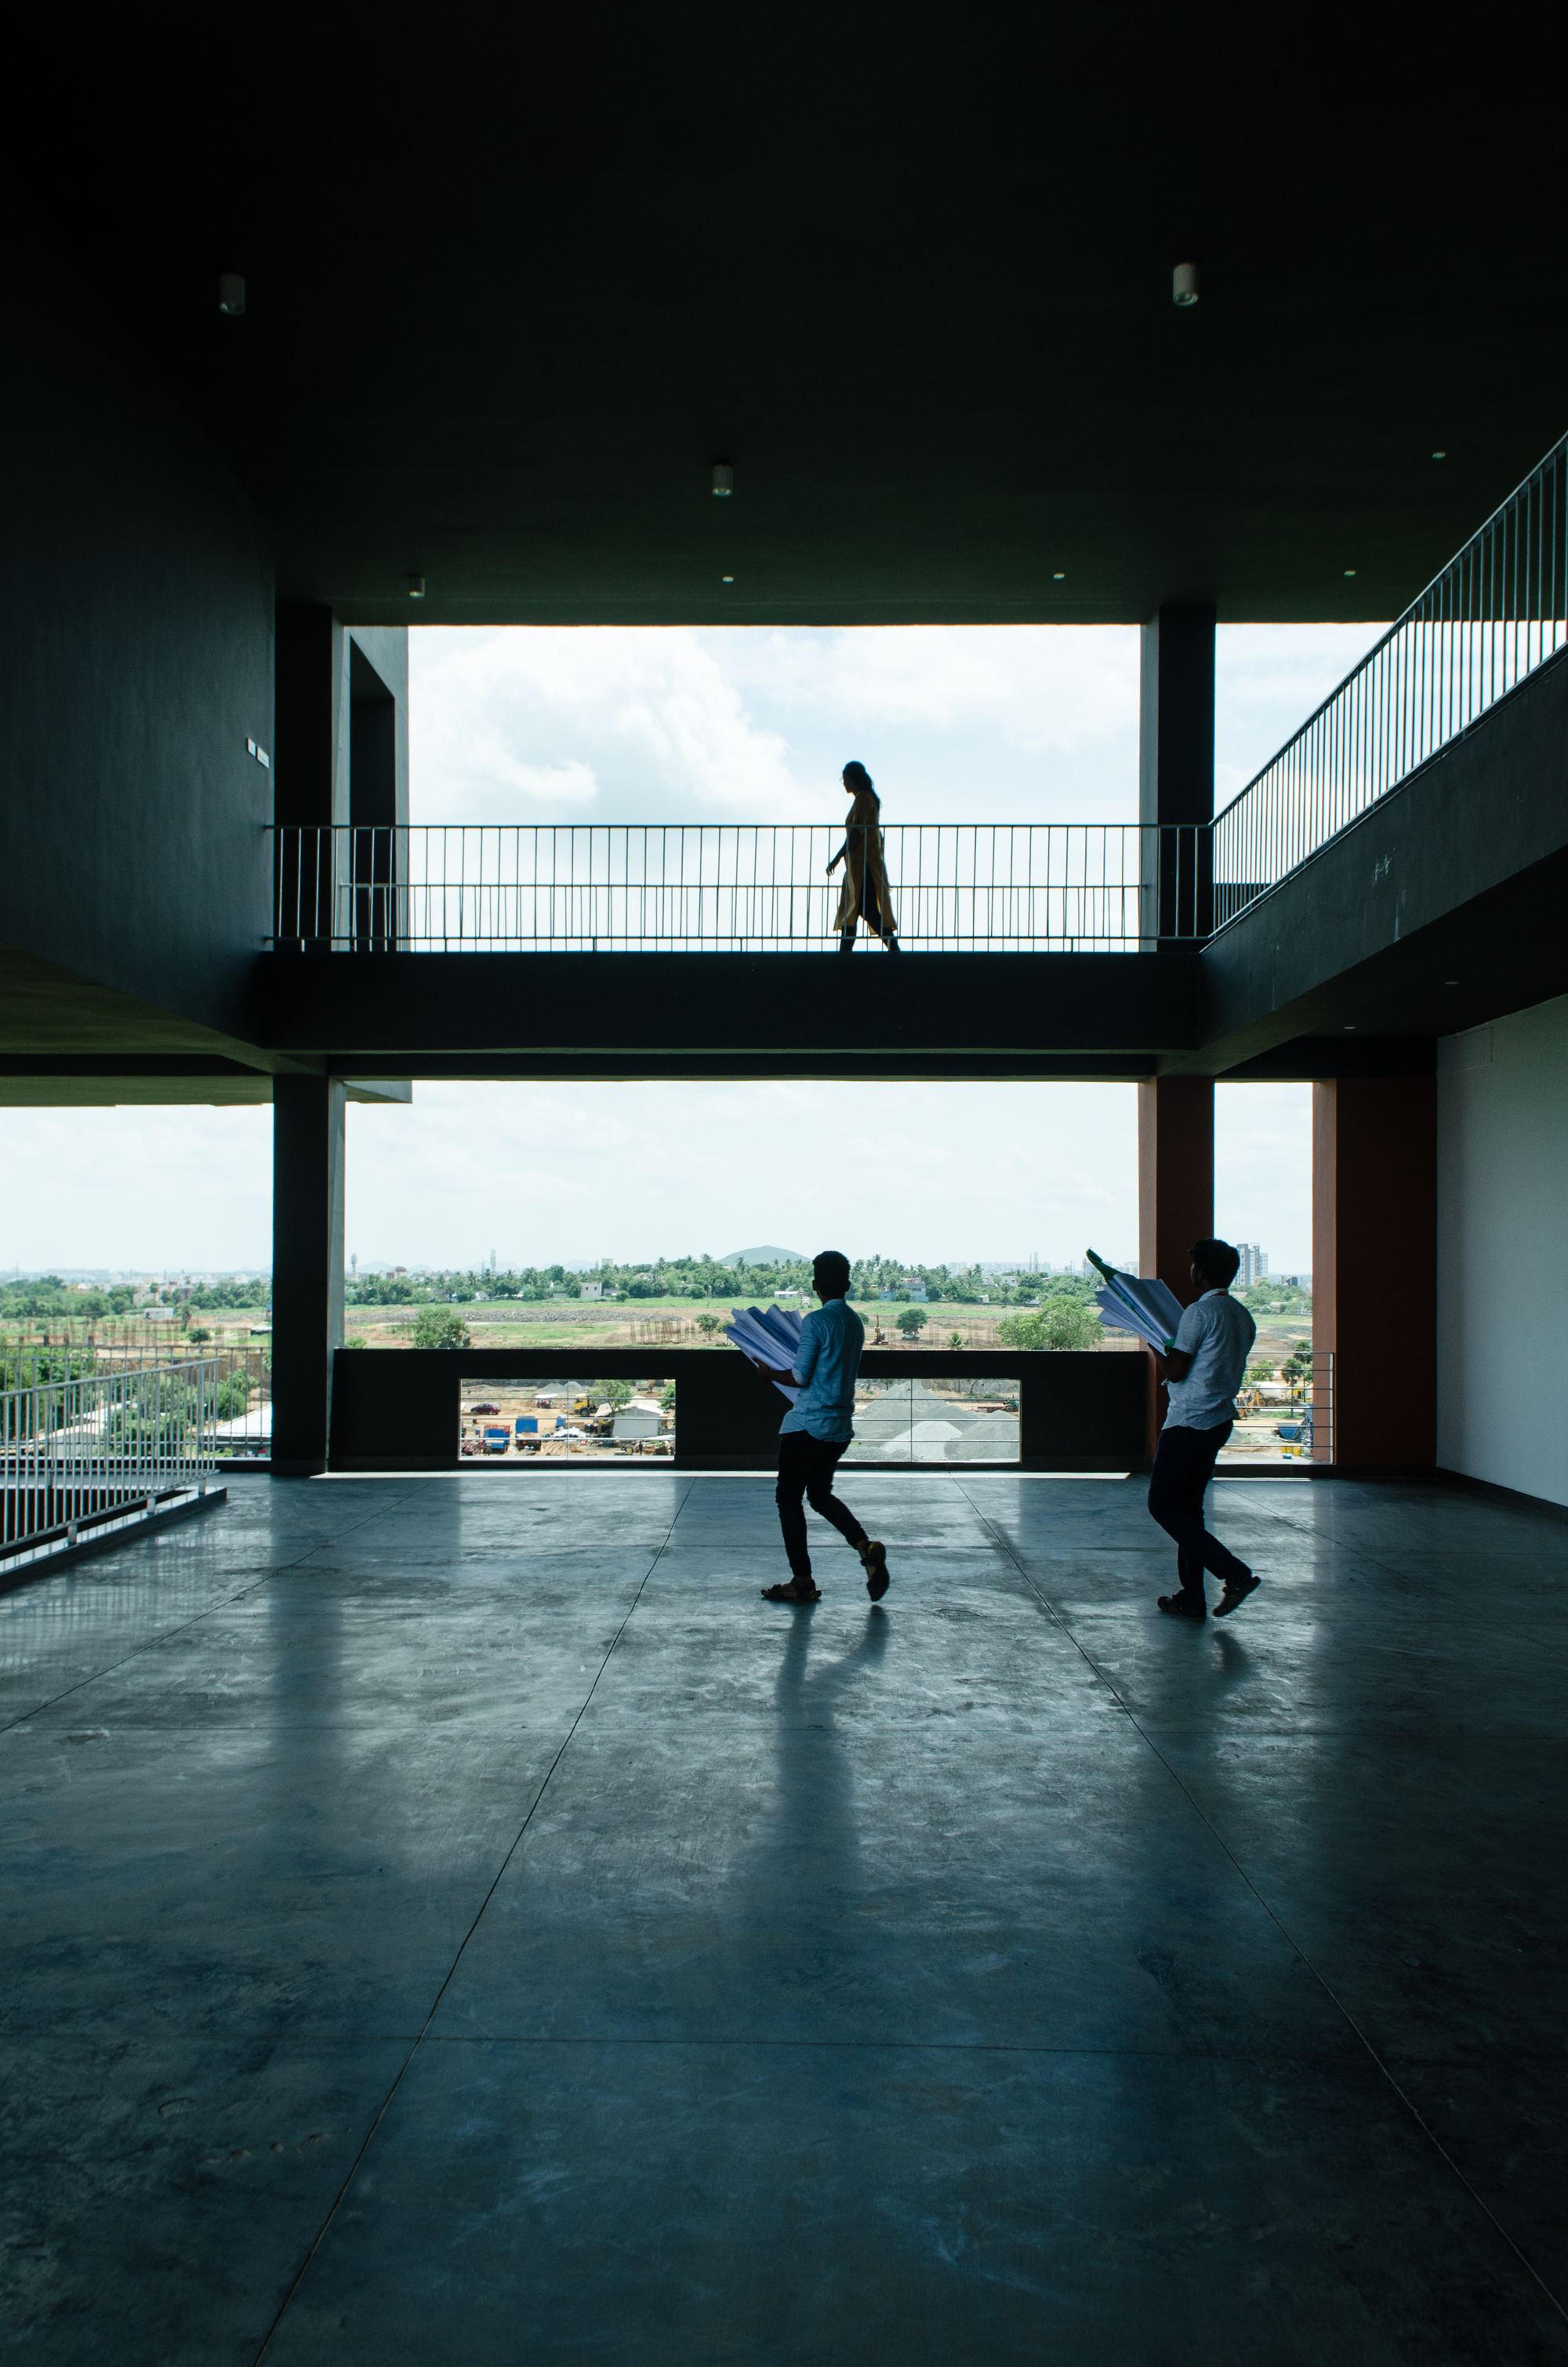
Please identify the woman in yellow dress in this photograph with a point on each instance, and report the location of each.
(864, 894)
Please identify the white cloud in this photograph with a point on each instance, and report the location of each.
(1005, 723)
(548, 1173)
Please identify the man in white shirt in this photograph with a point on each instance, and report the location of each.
(1204, 1370)
(815, 1430)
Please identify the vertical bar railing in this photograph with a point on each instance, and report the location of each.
(76, 1443)
(578, 886)
(1497, 612)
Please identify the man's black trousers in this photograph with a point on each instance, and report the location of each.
(1184, 1465)
(805, 1469)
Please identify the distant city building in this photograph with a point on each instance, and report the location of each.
(1254, 1264)
(592, 1290)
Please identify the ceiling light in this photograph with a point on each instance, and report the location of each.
(1349, 571)
(1184, 284)
(230, 293)
(416, 587)
(1439, 456)
(1450, 981)
(1349, 1028)
(1060, 576)
(723, 478)
(727, 578)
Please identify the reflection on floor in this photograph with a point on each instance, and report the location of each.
(458, 1919)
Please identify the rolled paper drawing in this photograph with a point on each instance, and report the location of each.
(770, 1337)
(1131, 1303)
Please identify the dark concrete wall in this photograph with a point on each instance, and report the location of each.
(135, 661)
(399, 1411)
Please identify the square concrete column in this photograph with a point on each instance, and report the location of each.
(306, 1266)
(1374, 1268)
(1176, 1190)
(1176, 772)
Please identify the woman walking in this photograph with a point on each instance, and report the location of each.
(865, 894)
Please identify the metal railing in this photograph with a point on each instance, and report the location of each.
(80, 1449)
(240, 1407)
(1496, 612)
(648, 887)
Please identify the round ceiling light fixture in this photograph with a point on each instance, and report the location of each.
(1184, 284)
(723, 479)
(416, 587)
(1060, 576)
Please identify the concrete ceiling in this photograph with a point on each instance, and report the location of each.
(512, 292)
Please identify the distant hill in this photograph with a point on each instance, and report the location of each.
(765, 1255)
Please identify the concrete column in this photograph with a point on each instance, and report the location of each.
(306, 1266)
(309, 765)
(1176, 769)
(1176, 1190)
(1375, 1259)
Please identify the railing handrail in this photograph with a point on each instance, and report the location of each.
(1558, 451)
(1430, 700)
(390, 887)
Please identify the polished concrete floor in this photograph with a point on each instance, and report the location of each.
(457, 1919)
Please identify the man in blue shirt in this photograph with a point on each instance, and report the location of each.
(815, 1430)
(1204, 1370)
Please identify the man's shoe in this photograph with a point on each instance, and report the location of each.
(1235, 1596)
(874, 1556)
(1179, 1607)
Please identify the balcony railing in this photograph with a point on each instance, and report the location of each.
(1497, 611)
(966, 887)
(83, 1449)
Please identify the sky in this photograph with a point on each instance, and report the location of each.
(993, 723)
(1005, 723)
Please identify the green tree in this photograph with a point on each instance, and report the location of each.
(1061, 1323)
(956, 1339)
(710, 1323)
(912, 1322)
(440, 1326)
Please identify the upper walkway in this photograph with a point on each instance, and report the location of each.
(462, 1904)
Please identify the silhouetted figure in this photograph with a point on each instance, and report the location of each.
(865, 895)
(1205, 1369)
(815, 1430)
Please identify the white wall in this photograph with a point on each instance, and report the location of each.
(1502, 1271)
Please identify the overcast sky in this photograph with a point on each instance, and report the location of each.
(997, 723)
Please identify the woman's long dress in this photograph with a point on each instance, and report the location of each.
(864, 891)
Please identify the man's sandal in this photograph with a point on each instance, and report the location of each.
(874, 1556)
(799, 1589)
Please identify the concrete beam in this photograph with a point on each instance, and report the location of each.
(660, 1012)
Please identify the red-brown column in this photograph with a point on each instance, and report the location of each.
(1374, 1258)
(1176, 1189)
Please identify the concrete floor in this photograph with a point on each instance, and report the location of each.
(458, 1920)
